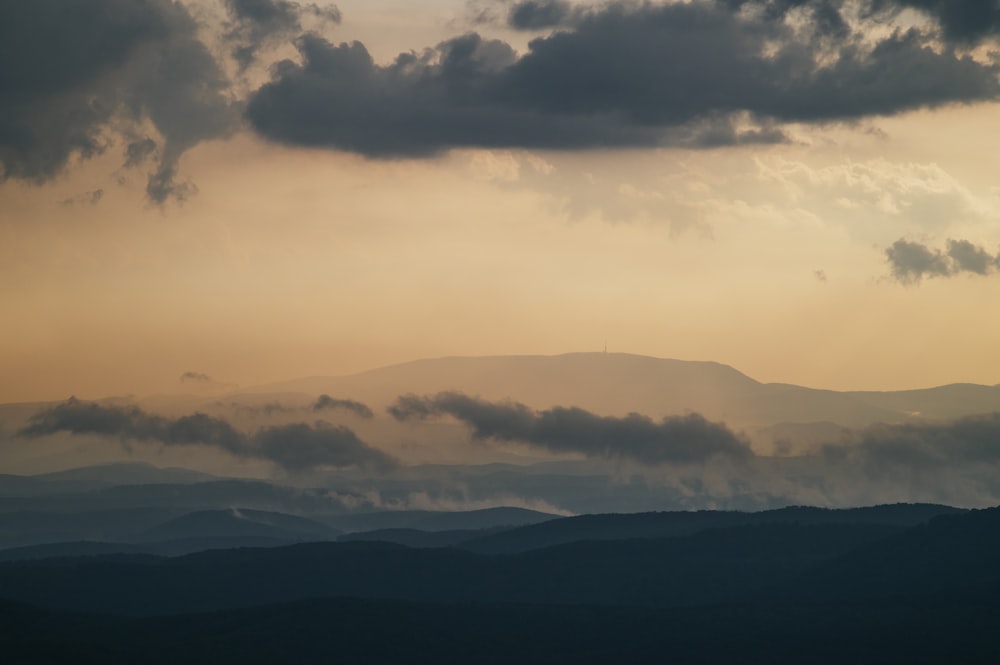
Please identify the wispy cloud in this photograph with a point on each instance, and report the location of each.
(923, 446)
(325, 402)
(195, 377)
(677, 439)
(257, 24)
(295, 447)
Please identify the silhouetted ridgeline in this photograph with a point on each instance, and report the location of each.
(418, 538)
(889, 584)
(729, 564)
(669, 524)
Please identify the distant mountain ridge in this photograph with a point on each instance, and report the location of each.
(674, 524)
(35, 511)
(606, 384)
(890, 632)
(82, 479)
(620, 383)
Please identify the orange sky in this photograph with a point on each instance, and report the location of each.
(292, 262)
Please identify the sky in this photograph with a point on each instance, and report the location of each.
(254, 190)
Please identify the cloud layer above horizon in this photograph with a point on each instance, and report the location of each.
(295, 447)
(912, 261)
(686, 439)
(952, 461)
(155, 78)
(802, 189)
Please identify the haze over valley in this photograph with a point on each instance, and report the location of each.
(563, 434)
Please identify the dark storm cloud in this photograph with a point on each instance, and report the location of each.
(295, 447)
(677, 439)
(357, 408)
(75, 77)
(960, 21)
(78, 78)
(699, 74)
(825, 16)
(138, 151)
(912, 261)
(538, 14)
(259, 23)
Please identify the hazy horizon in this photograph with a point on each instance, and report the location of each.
(199, 384)
(206, 200)
(257, 191)
(625, 432)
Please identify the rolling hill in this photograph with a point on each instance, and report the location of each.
(620, 383)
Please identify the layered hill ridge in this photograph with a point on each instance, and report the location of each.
(840, 555)
(620, 383)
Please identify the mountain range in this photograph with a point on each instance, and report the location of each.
(792, 556)
(620, 383)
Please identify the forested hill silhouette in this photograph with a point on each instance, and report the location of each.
(682, 523)
(375, 632)
(948, 554)
(743, 563)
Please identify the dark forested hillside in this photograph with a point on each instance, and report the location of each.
(889, 584)
(715, 565)
(681, 523)
(947, 630)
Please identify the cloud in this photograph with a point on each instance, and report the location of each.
(78, 77)
(357, 408)
(196, 377)
(621, 76)
(967, 257)
(964, 22)
(300, 447)
(259, 23)
(132, 423)
(295, 448)
(92, 198)
(912, 261)
(974, 440)
(139, 151)
(538, 14)
(204, 382)
(953, 462)
(877, 189)
(677, 439)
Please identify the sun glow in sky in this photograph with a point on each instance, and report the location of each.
(257, 190)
